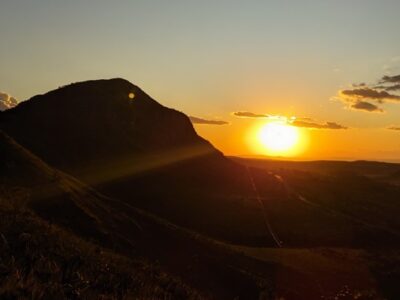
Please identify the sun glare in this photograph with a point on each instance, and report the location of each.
(277, 138)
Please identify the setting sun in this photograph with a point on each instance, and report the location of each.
(278, 137)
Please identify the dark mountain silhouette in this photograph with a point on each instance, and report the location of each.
(88, 122)
(113, 136)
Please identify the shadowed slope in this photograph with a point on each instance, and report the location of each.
(114, 137)
(28, 183)
(40, 258)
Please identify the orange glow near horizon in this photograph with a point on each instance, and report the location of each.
(241, 138)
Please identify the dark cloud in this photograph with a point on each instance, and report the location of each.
(196, 120)
(365, 106)
(395, 87)
(391, 79)
(369, 93)
(314, 125)
(390, 88)
(247, 114)
(6, 101)
(394, 128)
(360, 96)
(389, 83)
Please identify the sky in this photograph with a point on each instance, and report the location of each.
(317, 61)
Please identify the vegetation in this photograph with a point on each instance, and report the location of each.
(39, 260)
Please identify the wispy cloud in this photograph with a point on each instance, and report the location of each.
(294, 121)
(391, 79)
(357, 85)
(6, 101)
(369, 93)
(365, 106)
(389, 83)
(314, 125)
(247, 114)
(394, 128)
(196, 120)
(395, 87)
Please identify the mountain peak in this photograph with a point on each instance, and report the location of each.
(98, 119)
(105, 89)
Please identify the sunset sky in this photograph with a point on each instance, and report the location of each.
(242, 63)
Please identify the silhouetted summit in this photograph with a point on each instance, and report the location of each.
(90, 121)
(116, 138)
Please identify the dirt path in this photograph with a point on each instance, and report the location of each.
(271, 231)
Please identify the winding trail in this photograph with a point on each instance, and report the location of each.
(271, 231)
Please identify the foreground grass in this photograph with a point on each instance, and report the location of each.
(41, 261)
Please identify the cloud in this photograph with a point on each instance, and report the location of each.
(247, 114)
(392, 83)
(360, 96)
(391, 79)
(365, 106)
(6, 101)
(314, 125)
(294, 121)
(196, 120)
(397, 128)
(368, 93)
(395, 87)
(356, 85)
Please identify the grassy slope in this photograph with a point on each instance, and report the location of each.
(42, 258)
(42, 261)
(331, 272)
(62, 201)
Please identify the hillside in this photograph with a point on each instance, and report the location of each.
(58, 211)
(46, 221)
(140, 152)
(42, 261)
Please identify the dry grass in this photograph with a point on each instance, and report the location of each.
(42, 261)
